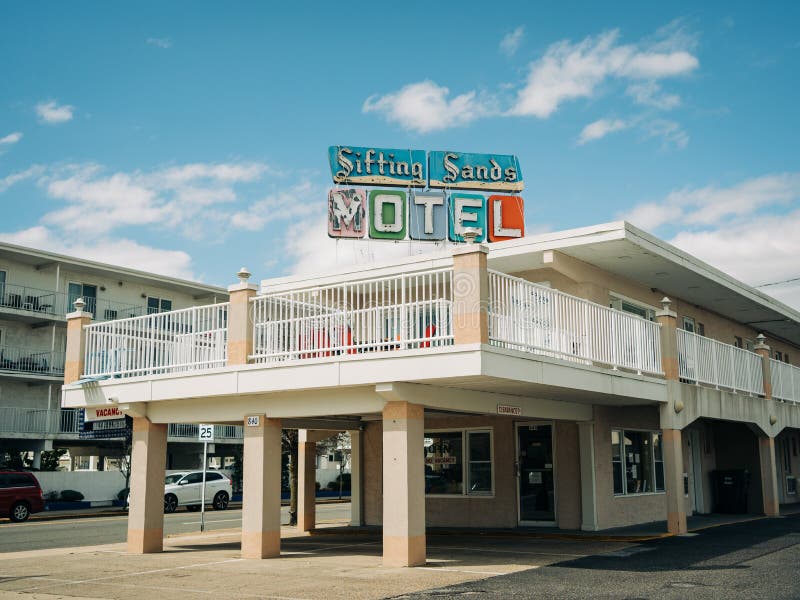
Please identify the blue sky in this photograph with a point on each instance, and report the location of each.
(191, 138)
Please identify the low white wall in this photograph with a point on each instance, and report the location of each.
(325, 476)
(95, 486)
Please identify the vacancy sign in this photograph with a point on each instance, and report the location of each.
(102, 413)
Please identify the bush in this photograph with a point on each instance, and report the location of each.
(51, 496)
(71, 496)
(334, 485)
(316, 485)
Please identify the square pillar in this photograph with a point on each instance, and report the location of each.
(470, 294)
(668, 319)
(307, 482)
(588, 477)
(240, 321)
(75, 356)
(403, 485)
(769, 476)
(148, 461)
(672, 441)
(261, 483)
(356, 518)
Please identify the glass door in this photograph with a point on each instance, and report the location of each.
(535, 473)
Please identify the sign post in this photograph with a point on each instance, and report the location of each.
(205, 434)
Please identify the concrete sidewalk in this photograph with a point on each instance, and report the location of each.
(310, 567)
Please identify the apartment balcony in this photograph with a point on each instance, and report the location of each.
(31, 364)
(187, 432)
(29, 422)
(34, 305)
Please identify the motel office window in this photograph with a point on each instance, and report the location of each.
(637, 462)
(458, 462)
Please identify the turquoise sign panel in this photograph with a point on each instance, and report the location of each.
(427, 216)
(387, 214)
(460, 170)
(467, 210)
(359, 165)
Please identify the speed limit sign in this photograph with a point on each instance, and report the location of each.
(205, 433)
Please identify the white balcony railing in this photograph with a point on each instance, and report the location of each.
(703, 360)
(785, 379)
(14, 419)
(533, 318)
(373, 315)
(181, 340)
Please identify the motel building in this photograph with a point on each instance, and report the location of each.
(583, 380)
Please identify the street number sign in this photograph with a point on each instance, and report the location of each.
(205, 433)
(253, 421)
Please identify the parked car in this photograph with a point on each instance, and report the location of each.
(20, 495)
(185, 489)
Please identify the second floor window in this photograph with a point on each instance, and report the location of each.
(158, 305)
(688, 324)
(82, 290)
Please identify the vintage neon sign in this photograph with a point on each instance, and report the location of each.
(424, 214)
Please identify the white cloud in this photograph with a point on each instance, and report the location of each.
(299, 201)
(425, 107)
(52, 113)
(600, 129)
(670, 133)
(711, 204)
(160, 42)
(29, 173)
(649, 93)
(512, 41)
(569, 70)
(11, 138)
(116, 251)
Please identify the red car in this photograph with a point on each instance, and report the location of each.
(20, 495)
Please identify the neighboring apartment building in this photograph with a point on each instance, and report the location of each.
(584, 379)
(37, 290)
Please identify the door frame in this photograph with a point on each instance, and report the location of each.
(520, 522)
(696, 471)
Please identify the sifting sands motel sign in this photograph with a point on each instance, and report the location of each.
(439, 201)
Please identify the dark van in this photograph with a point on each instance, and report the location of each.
(20, 495)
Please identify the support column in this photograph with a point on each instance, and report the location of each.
(673, 481)
(763, 350)
(261, 483)
(356, 518)
(470, 295)
(37, 459)
(307, 482)
(403, 485)
(146, 513)
(74, 360)
(668, 319)
(240, 322)
(769, 476)
(588, 480)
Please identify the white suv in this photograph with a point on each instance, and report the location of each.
(184, 489)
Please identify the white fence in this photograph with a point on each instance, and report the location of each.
(785, 381)
(14, 419)
(374, 315)
(703, 360)
(533, 318)
(180, 340)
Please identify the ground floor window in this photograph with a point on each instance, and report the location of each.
(637, 459)
(458, 462)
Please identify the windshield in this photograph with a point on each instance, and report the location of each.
(173, 478)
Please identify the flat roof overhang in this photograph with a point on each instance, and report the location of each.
(469, 379)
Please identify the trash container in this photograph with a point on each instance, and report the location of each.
(731, 490)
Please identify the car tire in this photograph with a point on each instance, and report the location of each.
(170, 503)
(20, 512)
(220, 501)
